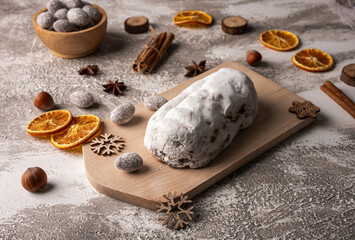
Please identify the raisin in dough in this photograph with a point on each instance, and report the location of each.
(194, 127)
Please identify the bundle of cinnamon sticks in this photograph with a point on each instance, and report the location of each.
(153, 52)
(339, 97)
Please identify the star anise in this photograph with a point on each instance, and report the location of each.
(195, 69)
(89, 69)
(115, 88)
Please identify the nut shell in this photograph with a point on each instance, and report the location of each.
(44, 101)
(34, 179)
(253, 57)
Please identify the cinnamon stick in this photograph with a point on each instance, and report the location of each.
(152, 52)
(339, 97)
(151, 49)
(169, 39)
(141, 54)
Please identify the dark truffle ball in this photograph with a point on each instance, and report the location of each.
(61, 14)
(54, 5)
(72, 3)
(129, 162)
(45, 19)
(78, 16)
(93, 13)
(63, 26)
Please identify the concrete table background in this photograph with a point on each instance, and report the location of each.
(302, 188)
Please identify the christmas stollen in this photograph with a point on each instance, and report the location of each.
(194, 127)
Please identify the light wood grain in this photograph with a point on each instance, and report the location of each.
(272, 125)
(72, 44)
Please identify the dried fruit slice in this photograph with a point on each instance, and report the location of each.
(279, 40)
(188, 17)
(80, 129)
(49, 123)
(95, 135)
(313, 60)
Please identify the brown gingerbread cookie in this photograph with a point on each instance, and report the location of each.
(304, 109)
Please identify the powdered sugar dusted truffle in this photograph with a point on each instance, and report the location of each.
(61, 14)
(63, 26)
(123, 113)
(91, 24)
(45, 19)
(129, 162)
(78, 16)
(154, 102)
(72, 3)
(82, 99)
(86, 3)
(54, 5)
(93, 13)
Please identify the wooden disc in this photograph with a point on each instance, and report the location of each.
(234, 25)
(348, 74)
(136, 24)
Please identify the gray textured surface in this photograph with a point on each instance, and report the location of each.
(301, 189)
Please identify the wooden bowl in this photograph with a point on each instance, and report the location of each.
(72, 44)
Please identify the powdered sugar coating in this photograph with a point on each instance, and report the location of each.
(129, 162)
(93, 13)
(123, 113)
(195, 126)
(63, 26)
(82, 99)
(45, 19)
(154, 102)
(54, 5)
(61, 14)
(79, 17)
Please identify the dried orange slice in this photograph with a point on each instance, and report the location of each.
(95, 135)
(49, 123)
(189, 17)
(313, 60)
(279, 40)
(80, 129)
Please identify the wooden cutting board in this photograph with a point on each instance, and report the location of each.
(145, 187)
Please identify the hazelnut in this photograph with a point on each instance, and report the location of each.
(44, 101)
(253, 57)
(33, 179)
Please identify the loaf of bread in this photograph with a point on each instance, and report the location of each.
(194, 127)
